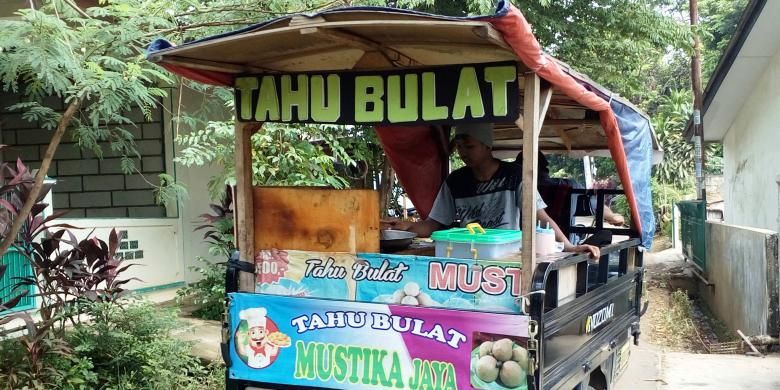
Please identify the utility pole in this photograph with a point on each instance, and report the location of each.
(698, 126)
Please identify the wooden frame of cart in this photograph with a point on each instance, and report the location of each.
(396, 69)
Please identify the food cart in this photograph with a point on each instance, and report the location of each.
(311, 301)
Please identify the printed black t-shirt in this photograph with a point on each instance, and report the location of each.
(496, 203)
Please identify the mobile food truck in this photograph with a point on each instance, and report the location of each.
(313, 303)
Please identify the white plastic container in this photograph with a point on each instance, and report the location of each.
(474, 242)
(545, 240)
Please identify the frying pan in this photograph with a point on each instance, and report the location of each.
(395, 240)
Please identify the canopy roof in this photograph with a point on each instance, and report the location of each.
(383, 39)
(582, 115)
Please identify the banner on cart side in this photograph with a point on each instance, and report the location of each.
(440, 282)
(485, 92)
(351, 345)
(483, 285)
(305, 274)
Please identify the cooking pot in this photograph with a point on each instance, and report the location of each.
(395, 240)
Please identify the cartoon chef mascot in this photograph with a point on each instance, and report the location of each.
(260, 353)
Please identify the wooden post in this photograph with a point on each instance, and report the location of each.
(244, 209)
(531, 127)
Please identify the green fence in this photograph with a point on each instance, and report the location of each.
(693, 217)
(18, 266)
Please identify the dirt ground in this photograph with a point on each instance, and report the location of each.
(675, 320)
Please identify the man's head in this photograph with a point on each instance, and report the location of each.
(543, 172)
(474, 143)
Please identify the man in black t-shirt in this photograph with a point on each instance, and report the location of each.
(486, 189)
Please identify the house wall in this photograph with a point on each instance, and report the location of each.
(99, 197)
(751, 159)
(195, 179)
(151, 243)
(89, 186)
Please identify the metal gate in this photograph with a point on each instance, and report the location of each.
(692, 225)
(18, 267)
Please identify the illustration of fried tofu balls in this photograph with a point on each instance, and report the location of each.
(520, 355)
(502, 349)
(412, 289)
(485, 348)
(410, 301)
(398, 295)
(425, 300)
(511, 374)
(487, 368)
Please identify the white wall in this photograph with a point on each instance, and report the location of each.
(169, 245)
(195, 179)
(752, 158)
(161, 263)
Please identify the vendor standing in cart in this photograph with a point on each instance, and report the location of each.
(487, 190)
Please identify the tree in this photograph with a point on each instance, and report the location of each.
(89, 59)
(669, 123)
(719, 20)
(618, 43)
(293, 155)
(93, 58)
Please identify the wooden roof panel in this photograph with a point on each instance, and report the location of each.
(438, 42)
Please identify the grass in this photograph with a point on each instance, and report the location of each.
(679, 318)
(721, 331)
(672, 322)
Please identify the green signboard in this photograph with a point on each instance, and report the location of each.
(465, 93)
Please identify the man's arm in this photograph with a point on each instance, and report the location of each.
(542, 216)
(443, 210)
(422, 228)
(613, 217)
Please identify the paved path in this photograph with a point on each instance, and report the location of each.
(205, 337)
(643, 371)
(652, 369)
(684, 371)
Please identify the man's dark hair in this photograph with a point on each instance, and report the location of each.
(542, 167)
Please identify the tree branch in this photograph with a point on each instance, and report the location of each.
(198, 25)
(36, 188)
(201, 11)
(233, 21)
(255, 10)
(78, 9)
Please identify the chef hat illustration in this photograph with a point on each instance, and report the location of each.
(254, 317)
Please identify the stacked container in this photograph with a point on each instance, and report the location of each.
(474, 242)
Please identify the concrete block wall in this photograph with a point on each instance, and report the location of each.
(87, 186)
(742, 266)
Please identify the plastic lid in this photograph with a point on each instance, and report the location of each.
(491, 236)
(540, 229)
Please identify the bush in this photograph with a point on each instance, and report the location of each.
(208, 293)
(131, 347)
(124, 346)
(58, 367)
